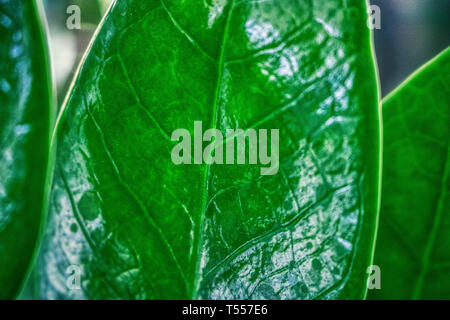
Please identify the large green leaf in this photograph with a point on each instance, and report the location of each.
(132, 224)
(25, 121)
(412, 246)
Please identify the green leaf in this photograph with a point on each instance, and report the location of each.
(126, 222)
(412, 245)
(25, 124)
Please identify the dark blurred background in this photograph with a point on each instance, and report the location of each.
(412, 32)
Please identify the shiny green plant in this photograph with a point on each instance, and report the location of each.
(26, 121)
(137, 226)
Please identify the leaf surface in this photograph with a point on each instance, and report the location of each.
(25, 124)
(412, 245)
(138, 226)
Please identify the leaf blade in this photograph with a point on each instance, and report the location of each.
(415, 182)
(25, 122)
(207, 63)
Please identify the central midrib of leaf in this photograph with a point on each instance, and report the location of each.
(205, 183)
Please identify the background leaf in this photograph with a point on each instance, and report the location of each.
(412, 246)
(135, 225)
(25, 120)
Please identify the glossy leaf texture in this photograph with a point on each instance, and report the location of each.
(131, 224)
(413, 241)
(25, 124)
